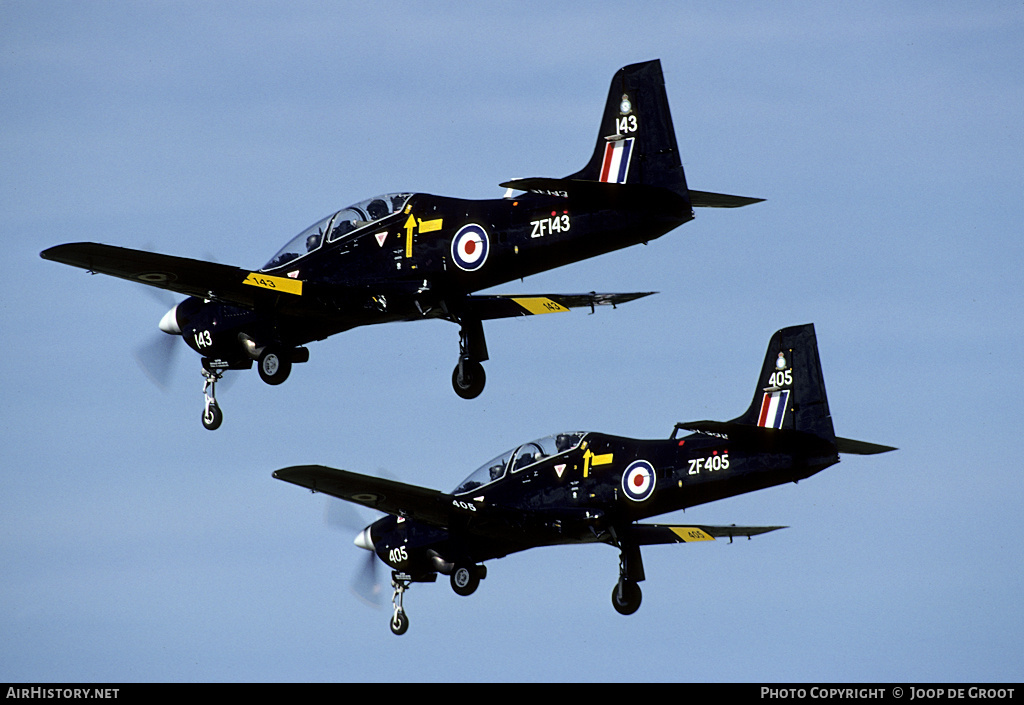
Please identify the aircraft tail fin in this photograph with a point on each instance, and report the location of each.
(790, 391)
(789, 401)
(636, 143)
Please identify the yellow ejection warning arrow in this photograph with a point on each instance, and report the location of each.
(425, 226)
(410, 227)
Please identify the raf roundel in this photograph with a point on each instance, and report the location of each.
(469, 247)
(638, 480)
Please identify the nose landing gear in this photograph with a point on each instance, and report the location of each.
(399, 620)
(212, 415)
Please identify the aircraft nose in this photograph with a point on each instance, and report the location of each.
(169, 323)
(363, 539)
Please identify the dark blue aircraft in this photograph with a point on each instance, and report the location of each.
(414, 256)
(574, 488)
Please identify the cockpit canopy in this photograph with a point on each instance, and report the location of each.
(338, 225)
(518, 458)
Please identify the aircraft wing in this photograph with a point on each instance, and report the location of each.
(509, 305)
(192, 277)
(411, 501)
(648, 534)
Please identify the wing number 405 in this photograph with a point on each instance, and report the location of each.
(398, 555)
(468, 506)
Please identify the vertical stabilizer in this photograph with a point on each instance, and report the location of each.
(636, 143)
(790, 392)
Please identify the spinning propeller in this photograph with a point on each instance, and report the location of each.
(157, 356)
(366, 585)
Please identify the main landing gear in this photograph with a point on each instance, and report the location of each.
(626, 595)
(466, 579)
(273, 367)
(468, 378)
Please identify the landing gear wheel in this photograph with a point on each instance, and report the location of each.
(273, 366)
(212, 417)
(468, 379)
(399, 621)
(399, 624)
(465, 580)
(628, 601)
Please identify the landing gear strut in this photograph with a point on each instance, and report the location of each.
(468, 378)
(212, 415)
(399, 621)
(627, 595)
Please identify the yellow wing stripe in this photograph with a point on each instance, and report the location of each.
(282, 284)
(691, 533)
(539, 304)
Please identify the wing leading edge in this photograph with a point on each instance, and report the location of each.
(191, 277)
(420, 503)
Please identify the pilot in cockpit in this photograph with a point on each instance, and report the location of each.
(377, 209)
(313, 241)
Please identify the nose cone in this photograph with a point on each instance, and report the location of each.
(363, 539)
(169, 323)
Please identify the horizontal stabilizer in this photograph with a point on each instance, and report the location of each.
(649, 534)
(707, 199)
(847, 445)
(744, 433)
(756, 436)
(509, 305)
(599, 193)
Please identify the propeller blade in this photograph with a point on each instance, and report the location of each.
(156, 358)
(343, 516)
(346, 517)
(366, 585)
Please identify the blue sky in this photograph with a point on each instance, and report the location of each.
(887, 140)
